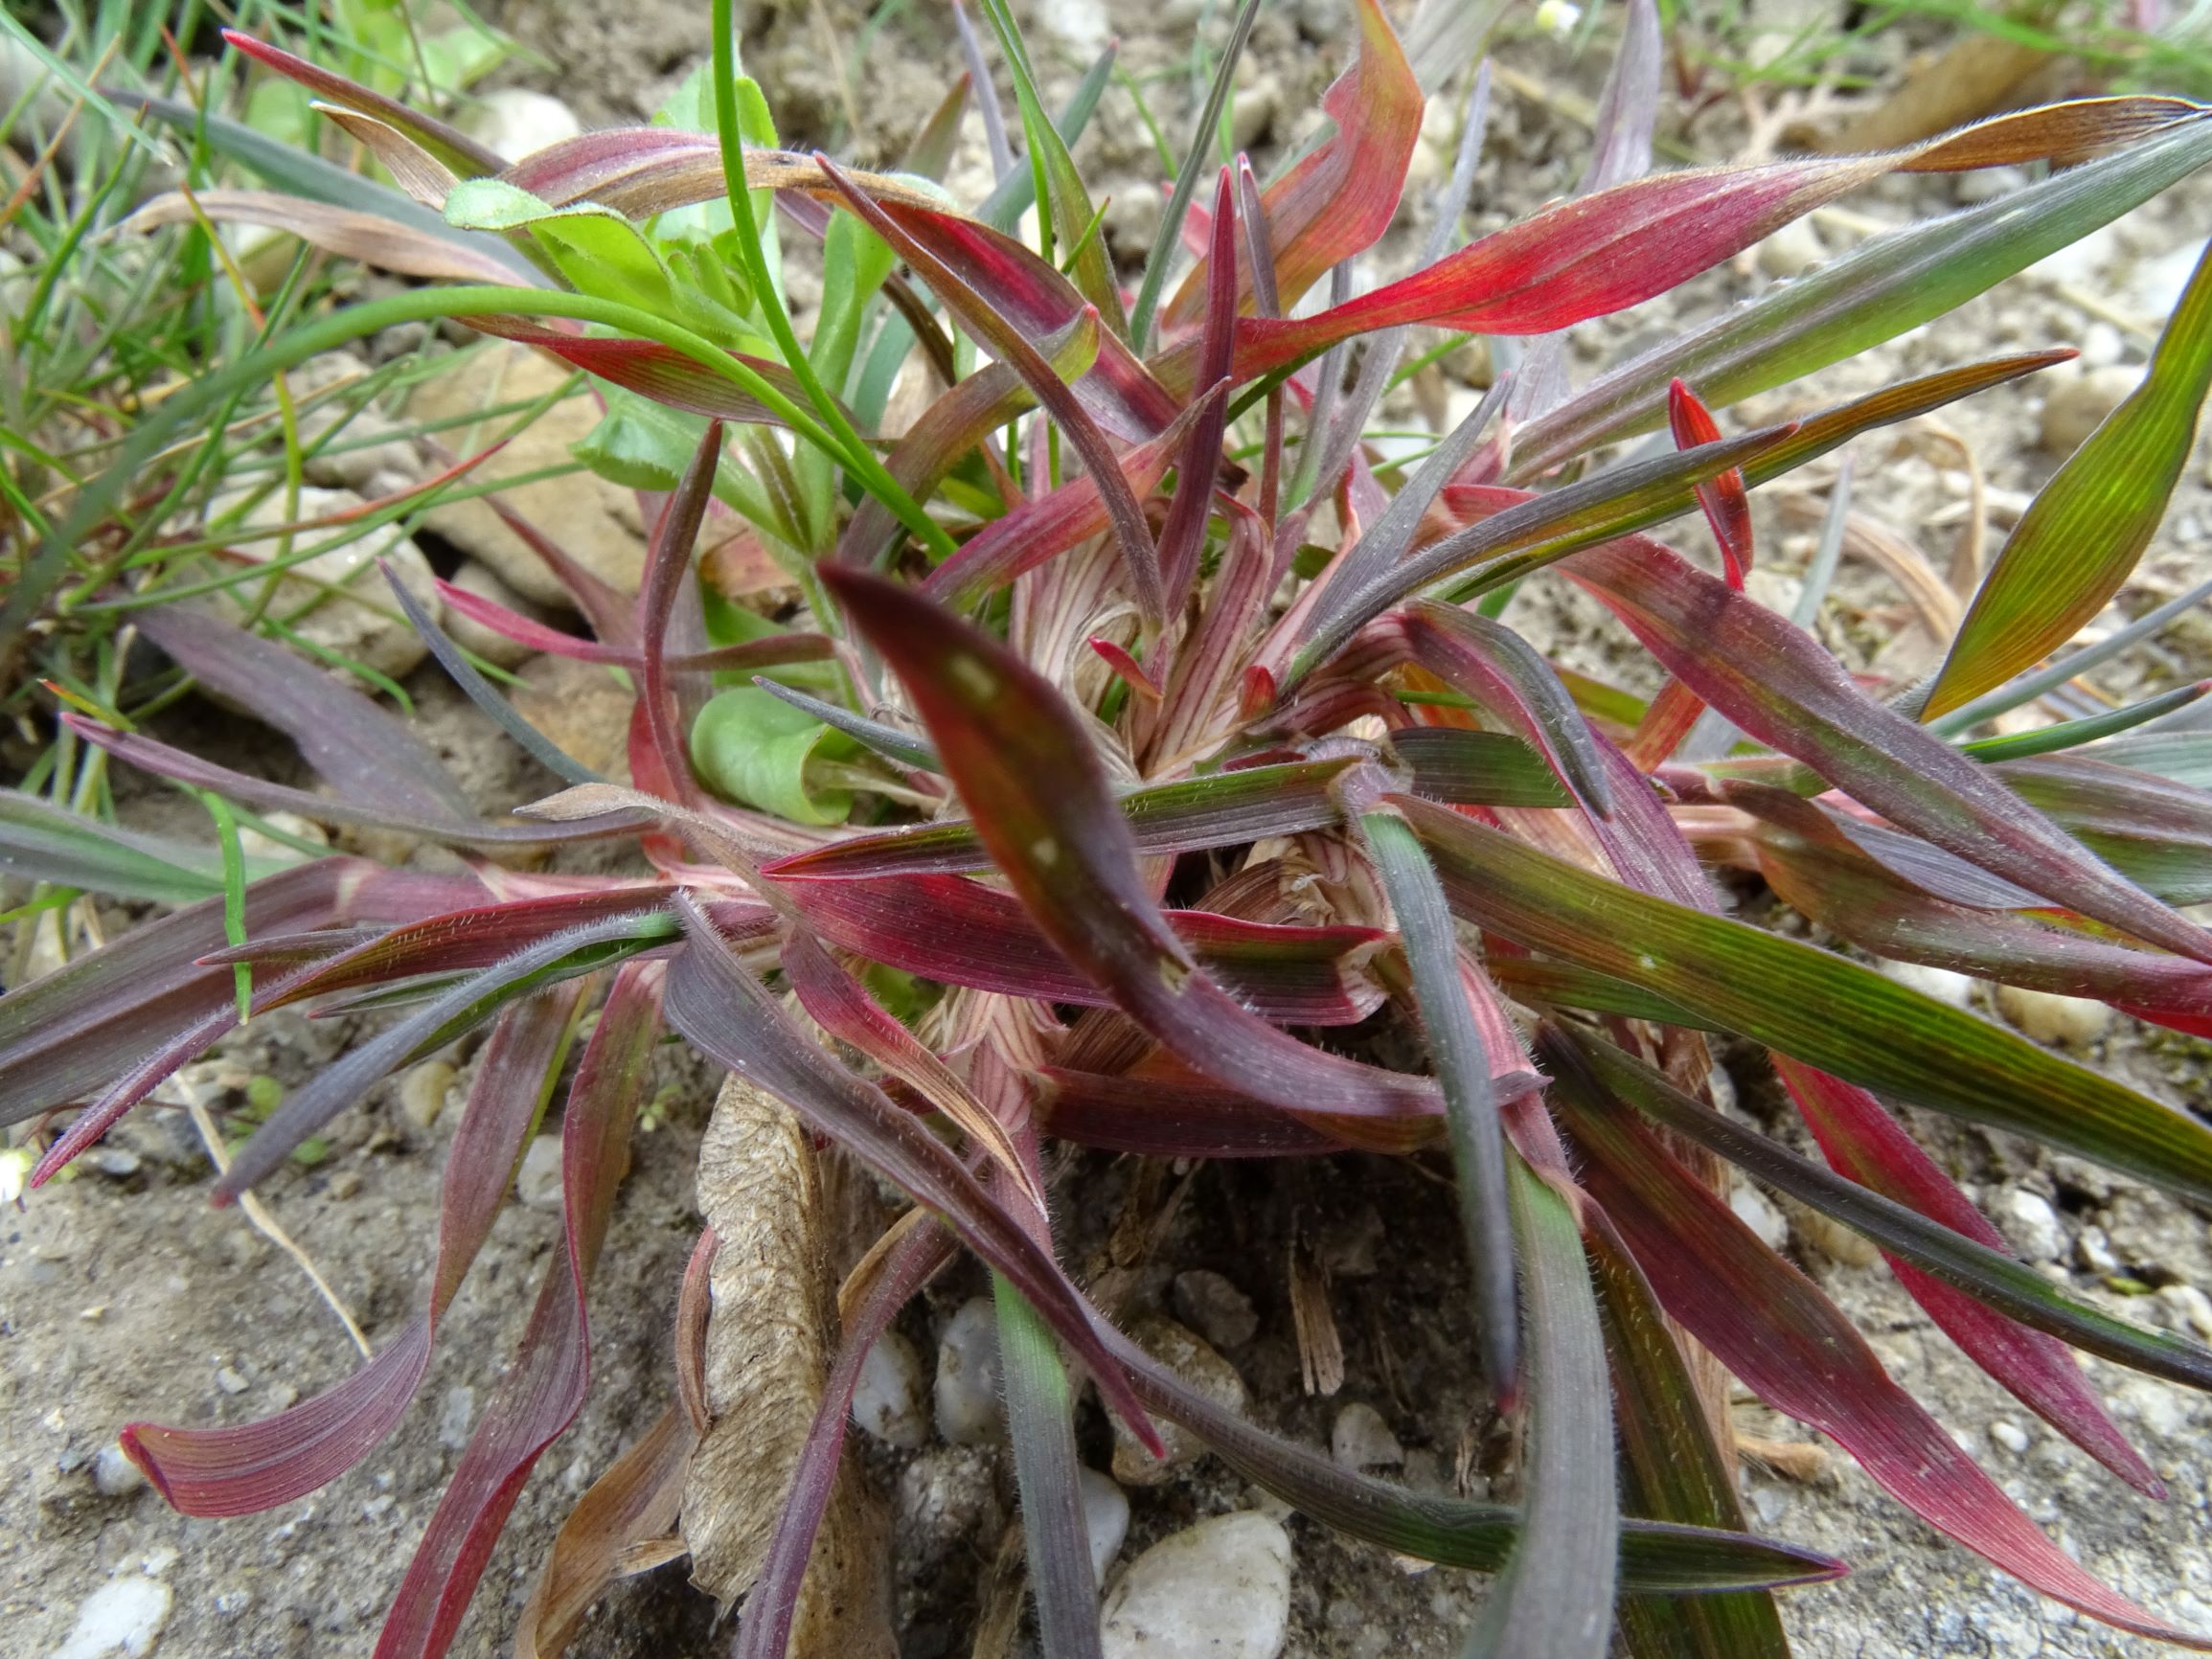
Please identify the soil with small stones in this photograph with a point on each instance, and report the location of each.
(124, 1295)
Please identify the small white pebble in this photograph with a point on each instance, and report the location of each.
(1757, 1212)
(968, 1408)
(1792, 251)
(115, 1475)
(2029, 1221)
(2094, 1251)
(2064, 1021)
(2101, 346)
(1106, 1517)
(1218, 1590)
(2009, 1434)
(230, 1381)
(1940, 983)
(2193, 1305)
(538, 1183)
(1361, 1439)
(887, 1397)
(124, 1616)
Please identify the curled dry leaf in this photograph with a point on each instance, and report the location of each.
(769, 1331)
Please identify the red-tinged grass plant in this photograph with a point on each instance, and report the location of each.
(1130, 611)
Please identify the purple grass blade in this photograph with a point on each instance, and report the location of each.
(544, 1386)
(364, 752)
(258, 1466)
(1184, 533)
(1023, 764)
(566, 955)
(667, 560)
(80, 1027)
(182, 767)
(729, 1014)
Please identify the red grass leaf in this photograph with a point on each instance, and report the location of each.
(358, 748)
(729, 1014)
(1009, 342)
(1495, 666)
(1727, 507)
(452, 147)
(1602, 253)
(1023, 766)
(1778, 685)
(1787, 1342)
(960, 932)
(258, 1466)
(1822, 871)
(1337, 201)
(1863, 1142)
(543, 1388)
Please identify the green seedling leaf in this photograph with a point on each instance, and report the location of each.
(751, 746)
(1067, 203)
(2083, 534)
(888, 742)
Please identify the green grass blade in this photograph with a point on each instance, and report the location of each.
(2081, 536)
